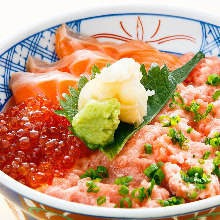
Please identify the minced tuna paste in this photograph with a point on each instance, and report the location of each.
(198, 151)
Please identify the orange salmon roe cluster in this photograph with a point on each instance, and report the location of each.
(36, 144)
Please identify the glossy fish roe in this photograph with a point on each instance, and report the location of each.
(36, 144)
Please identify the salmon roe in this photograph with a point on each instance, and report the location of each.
(36, 144)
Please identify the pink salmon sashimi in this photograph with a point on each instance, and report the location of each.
(68, 41)
(51, 84)
(77, 64)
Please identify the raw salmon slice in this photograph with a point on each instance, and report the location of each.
(78, 63)
(51, 84)
(67, 42)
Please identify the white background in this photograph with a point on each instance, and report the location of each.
(16, 14)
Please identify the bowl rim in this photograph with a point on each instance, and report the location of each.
(107, 9)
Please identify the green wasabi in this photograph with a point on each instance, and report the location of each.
(96, 123)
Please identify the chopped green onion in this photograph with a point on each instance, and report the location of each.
(171, 121)
(191, 172)
(175, 102)
(200, 186)
(189, 130)
(101, 200)
(201, 161)
(126, 201)
(149, 172)
(124, 180)
(216, 163)
(213, 79)
(123, 190)
(185, 147)
(116, 206)
(174, 200)
(158, 176)
(205, 179)
(208, 110)
(148, 148)
(193, 107)
(194, 155)
(153, 171)
(178, 137)
(142, 193)
(108, 65)
(100, 173)
(216, 171)
(206, 155)
(150, 189)
(216, 95)
(92, 187)
(215, 141)
(186, 178)
(197, 176)
(159, 164)
(192, 194)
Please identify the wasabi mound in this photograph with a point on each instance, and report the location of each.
(96, 123)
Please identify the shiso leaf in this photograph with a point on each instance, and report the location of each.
(164, 83)
(95, 70)
(70, 104)
(82, 82)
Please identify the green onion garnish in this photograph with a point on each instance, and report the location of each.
(170, 121)
(149, 172)
(213, 79)
(215, 141)
(174, 200)
(191, 172)
(100, 173)
(216, 95)
(196, 176)
(142, 193)
(216, 163)
(124, 180)
(186, 178)
(148, 148)
(189, 130)
(216, 171)
(193, 107)
(200, 186)
(126, 201)
(158, 176)
(178, 137)
(123, 190)
(154, 172)
(206, 155)
(92, 187)
(101, 200)
(160, 164)
(149, 190)
(192, 195)
(201, 161)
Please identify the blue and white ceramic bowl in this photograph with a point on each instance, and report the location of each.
(174, 30)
